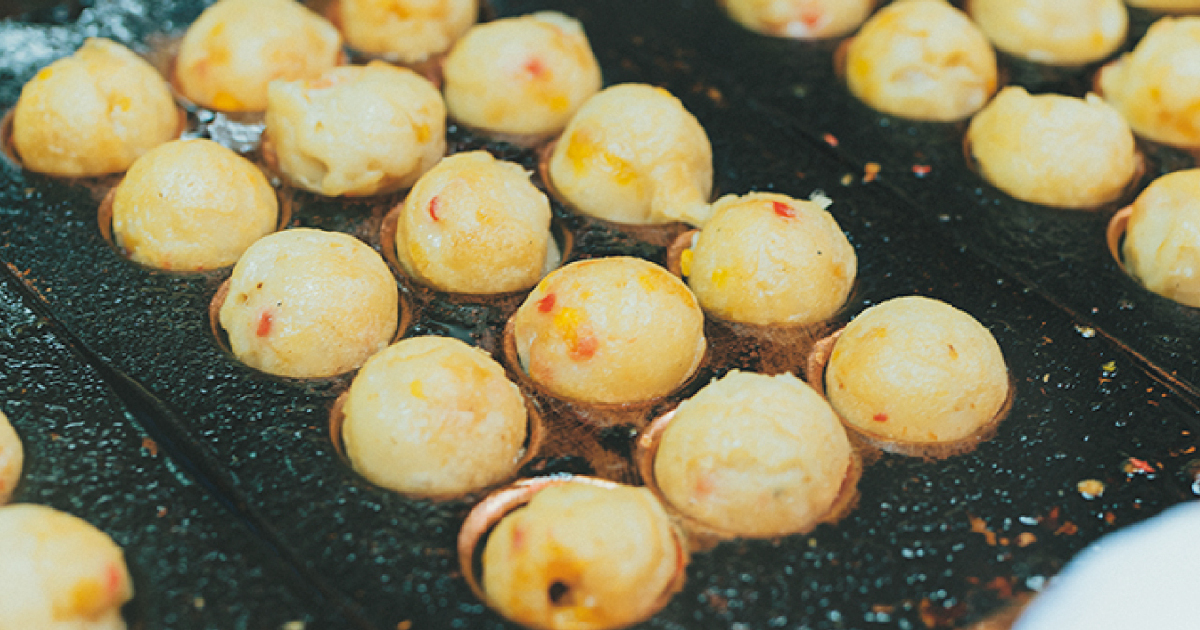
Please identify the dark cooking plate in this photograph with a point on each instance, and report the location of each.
(930, 544)
(194, 563)
(1062, 254)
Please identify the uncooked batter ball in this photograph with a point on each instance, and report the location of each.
(236, 47)
(307, 303)
(610, 330)
(524, 75)
(356, 130)
(433, 416)
(58, 572)
(93, 113)
(1052, 149)
(917, 370)
(921, 59)
(1053, 32)
(404, 31)
(1156, 87)
(634, 154)
(582, 557)
(1162, 240)
(754, 455)
(192, 205)
(766, 258)
(12, 456)
(799, 19)
(475, 224)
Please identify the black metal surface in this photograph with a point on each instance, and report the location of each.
(194, 564)
(930, 544)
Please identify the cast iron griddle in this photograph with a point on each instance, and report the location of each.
(931, 544)
(194, 564)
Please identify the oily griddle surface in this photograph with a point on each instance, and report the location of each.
(930, 544)
(193, 563)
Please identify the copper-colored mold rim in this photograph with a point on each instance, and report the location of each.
(600, 414)
(489, 512)
(535, 432)
(522, 140)
(1115, 234)
(104, 220)
(507, 302)
(1139, 170)
(657, 234)
(221, 339)
(703, 535)
(815, 376)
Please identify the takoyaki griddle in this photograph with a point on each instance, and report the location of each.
(930, 544)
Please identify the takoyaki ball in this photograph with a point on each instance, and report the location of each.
(235, 48)
(917, 370)
(766, 258)
(1053, 32)
(307, 303)
(1156, 87)
(192, 205)
(525, 75)
(799, 19)
(12, 456)
(754, 455)
(433, 416)
(58, 572)
(634, 154)
(582, 557)
(93, 113)
(610, 330)
(923, 60)
(356, 130)
(475, 224)
(1052, 149)
(1162, 240)
(405, 31)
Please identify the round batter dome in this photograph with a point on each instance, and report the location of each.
(307, 303)
(799, 19)
(192, 205)
(521, 75)
(1053, 32)
(93, 113)
(766, 258)
(58, 572)
(1162, 240)
(916, 370)
(356, 130)
(1052, 149)
(12, 457)
(405, 31)
(1156, 87)
(921, 59)
(582, 557)
(236, 47)
(475, 224)
(634, 154)
(754, 455)
(433, 416)
(610, 330)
